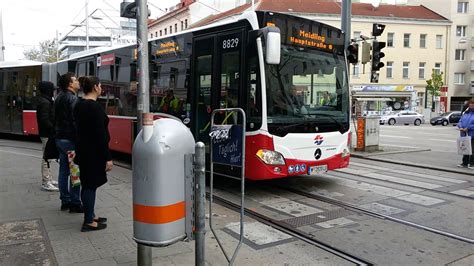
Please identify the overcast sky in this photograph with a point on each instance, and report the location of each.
(27, 22)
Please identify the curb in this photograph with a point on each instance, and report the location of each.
(387, 152)
(424, 166)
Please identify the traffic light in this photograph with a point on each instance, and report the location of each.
(353, 53)
(377, 29)
(377, 54)
(365, 57)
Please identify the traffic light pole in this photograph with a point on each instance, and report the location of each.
(144, 253)
(346, 12)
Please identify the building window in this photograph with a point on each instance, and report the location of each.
(421, 70)
(176, 27)
(406, 65)
(356, 71)
(437, 68)
(461, 31)
(151, 35)
(459, 55)
(406, 40)
(356, 35)
(166, 31)
(422, 40)
(390, 39)
(182, 25)
(171, 29)
(185, 23)
(462, 7)
(439, 41)
(459, 78)
(389, 70)
(156, 33)
(161, 33)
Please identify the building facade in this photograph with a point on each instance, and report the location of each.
(460, 78)
(187, 13)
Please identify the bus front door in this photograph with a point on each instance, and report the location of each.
(217, 77)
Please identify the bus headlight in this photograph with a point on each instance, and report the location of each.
(271, 157)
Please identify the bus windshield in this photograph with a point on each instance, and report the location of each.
(308, 87)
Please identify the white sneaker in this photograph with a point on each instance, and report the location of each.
(54, 182)
(49, 187)
(471, 167)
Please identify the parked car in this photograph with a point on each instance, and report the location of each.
(403, 117)
(446, 119)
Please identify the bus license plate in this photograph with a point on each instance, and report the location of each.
(318, 169)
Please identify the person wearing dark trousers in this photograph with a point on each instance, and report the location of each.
(92, 150)
(65, 140)
(45, 120)
(466, 126)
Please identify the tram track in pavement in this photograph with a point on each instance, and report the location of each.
(407, 185)
(360, 210)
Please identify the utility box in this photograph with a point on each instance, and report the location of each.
(368, 133)
(160, 211)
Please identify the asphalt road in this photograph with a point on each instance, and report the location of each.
(440, 140)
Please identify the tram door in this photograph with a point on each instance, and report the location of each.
(11, 102)
(217, 77)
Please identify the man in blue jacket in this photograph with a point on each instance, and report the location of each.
(466, 126)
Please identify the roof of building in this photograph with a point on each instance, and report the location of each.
(330, 7)
(179, 8)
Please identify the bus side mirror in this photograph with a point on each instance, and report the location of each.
(273, 46)
(272, 38)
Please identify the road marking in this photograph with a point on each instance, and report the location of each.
(463, 192)
(381, 190)
(381, 208)
(398, 180)
(259, 233)
(439, 178)
(393, 136)
(395, 145)
(444, 140)
(294, 208)
(421, 200)
(336, 222)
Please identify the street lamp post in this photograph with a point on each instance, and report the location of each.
(87, 25)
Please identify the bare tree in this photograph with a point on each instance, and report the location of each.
(46, 52)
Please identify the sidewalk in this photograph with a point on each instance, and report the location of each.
(34, 231)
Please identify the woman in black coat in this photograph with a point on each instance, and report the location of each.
(92, 150)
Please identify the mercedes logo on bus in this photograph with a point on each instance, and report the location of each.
(317, 154)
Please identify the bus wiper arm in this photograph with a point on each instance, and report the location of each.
(341, 126)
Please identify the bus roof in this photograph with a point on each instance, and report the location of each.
(20, 63)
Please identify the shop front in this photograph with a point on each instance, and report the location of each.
(370, 100)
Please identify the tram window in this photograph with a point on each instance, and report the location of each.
(168, 90)
(81, 69)
(230, 80)
(91, 69)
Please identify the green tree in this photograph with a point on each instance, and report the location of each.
(45, 52)
(433, 85)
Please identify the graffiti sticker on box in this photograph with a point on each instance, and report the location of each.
(227, 144)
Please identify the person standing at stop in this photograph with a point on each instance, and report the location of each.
(466, 126)
(45, 120)
(92, 150)
(65, 140)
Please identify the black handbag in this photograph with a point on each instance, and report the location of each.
(50, 150)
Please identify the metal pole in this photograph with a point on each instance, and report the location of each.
(143, 103)
(200, 196)
(87, 25)
(144, 253)
(57, 46)
(346, 21)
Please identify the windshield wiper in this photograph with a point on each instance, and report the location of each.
(341, 126)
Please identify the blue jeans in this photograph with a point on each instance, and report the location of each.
(67, 193)
(88, 201)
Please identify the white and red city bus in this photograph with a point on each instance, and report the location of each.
(297, 110)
